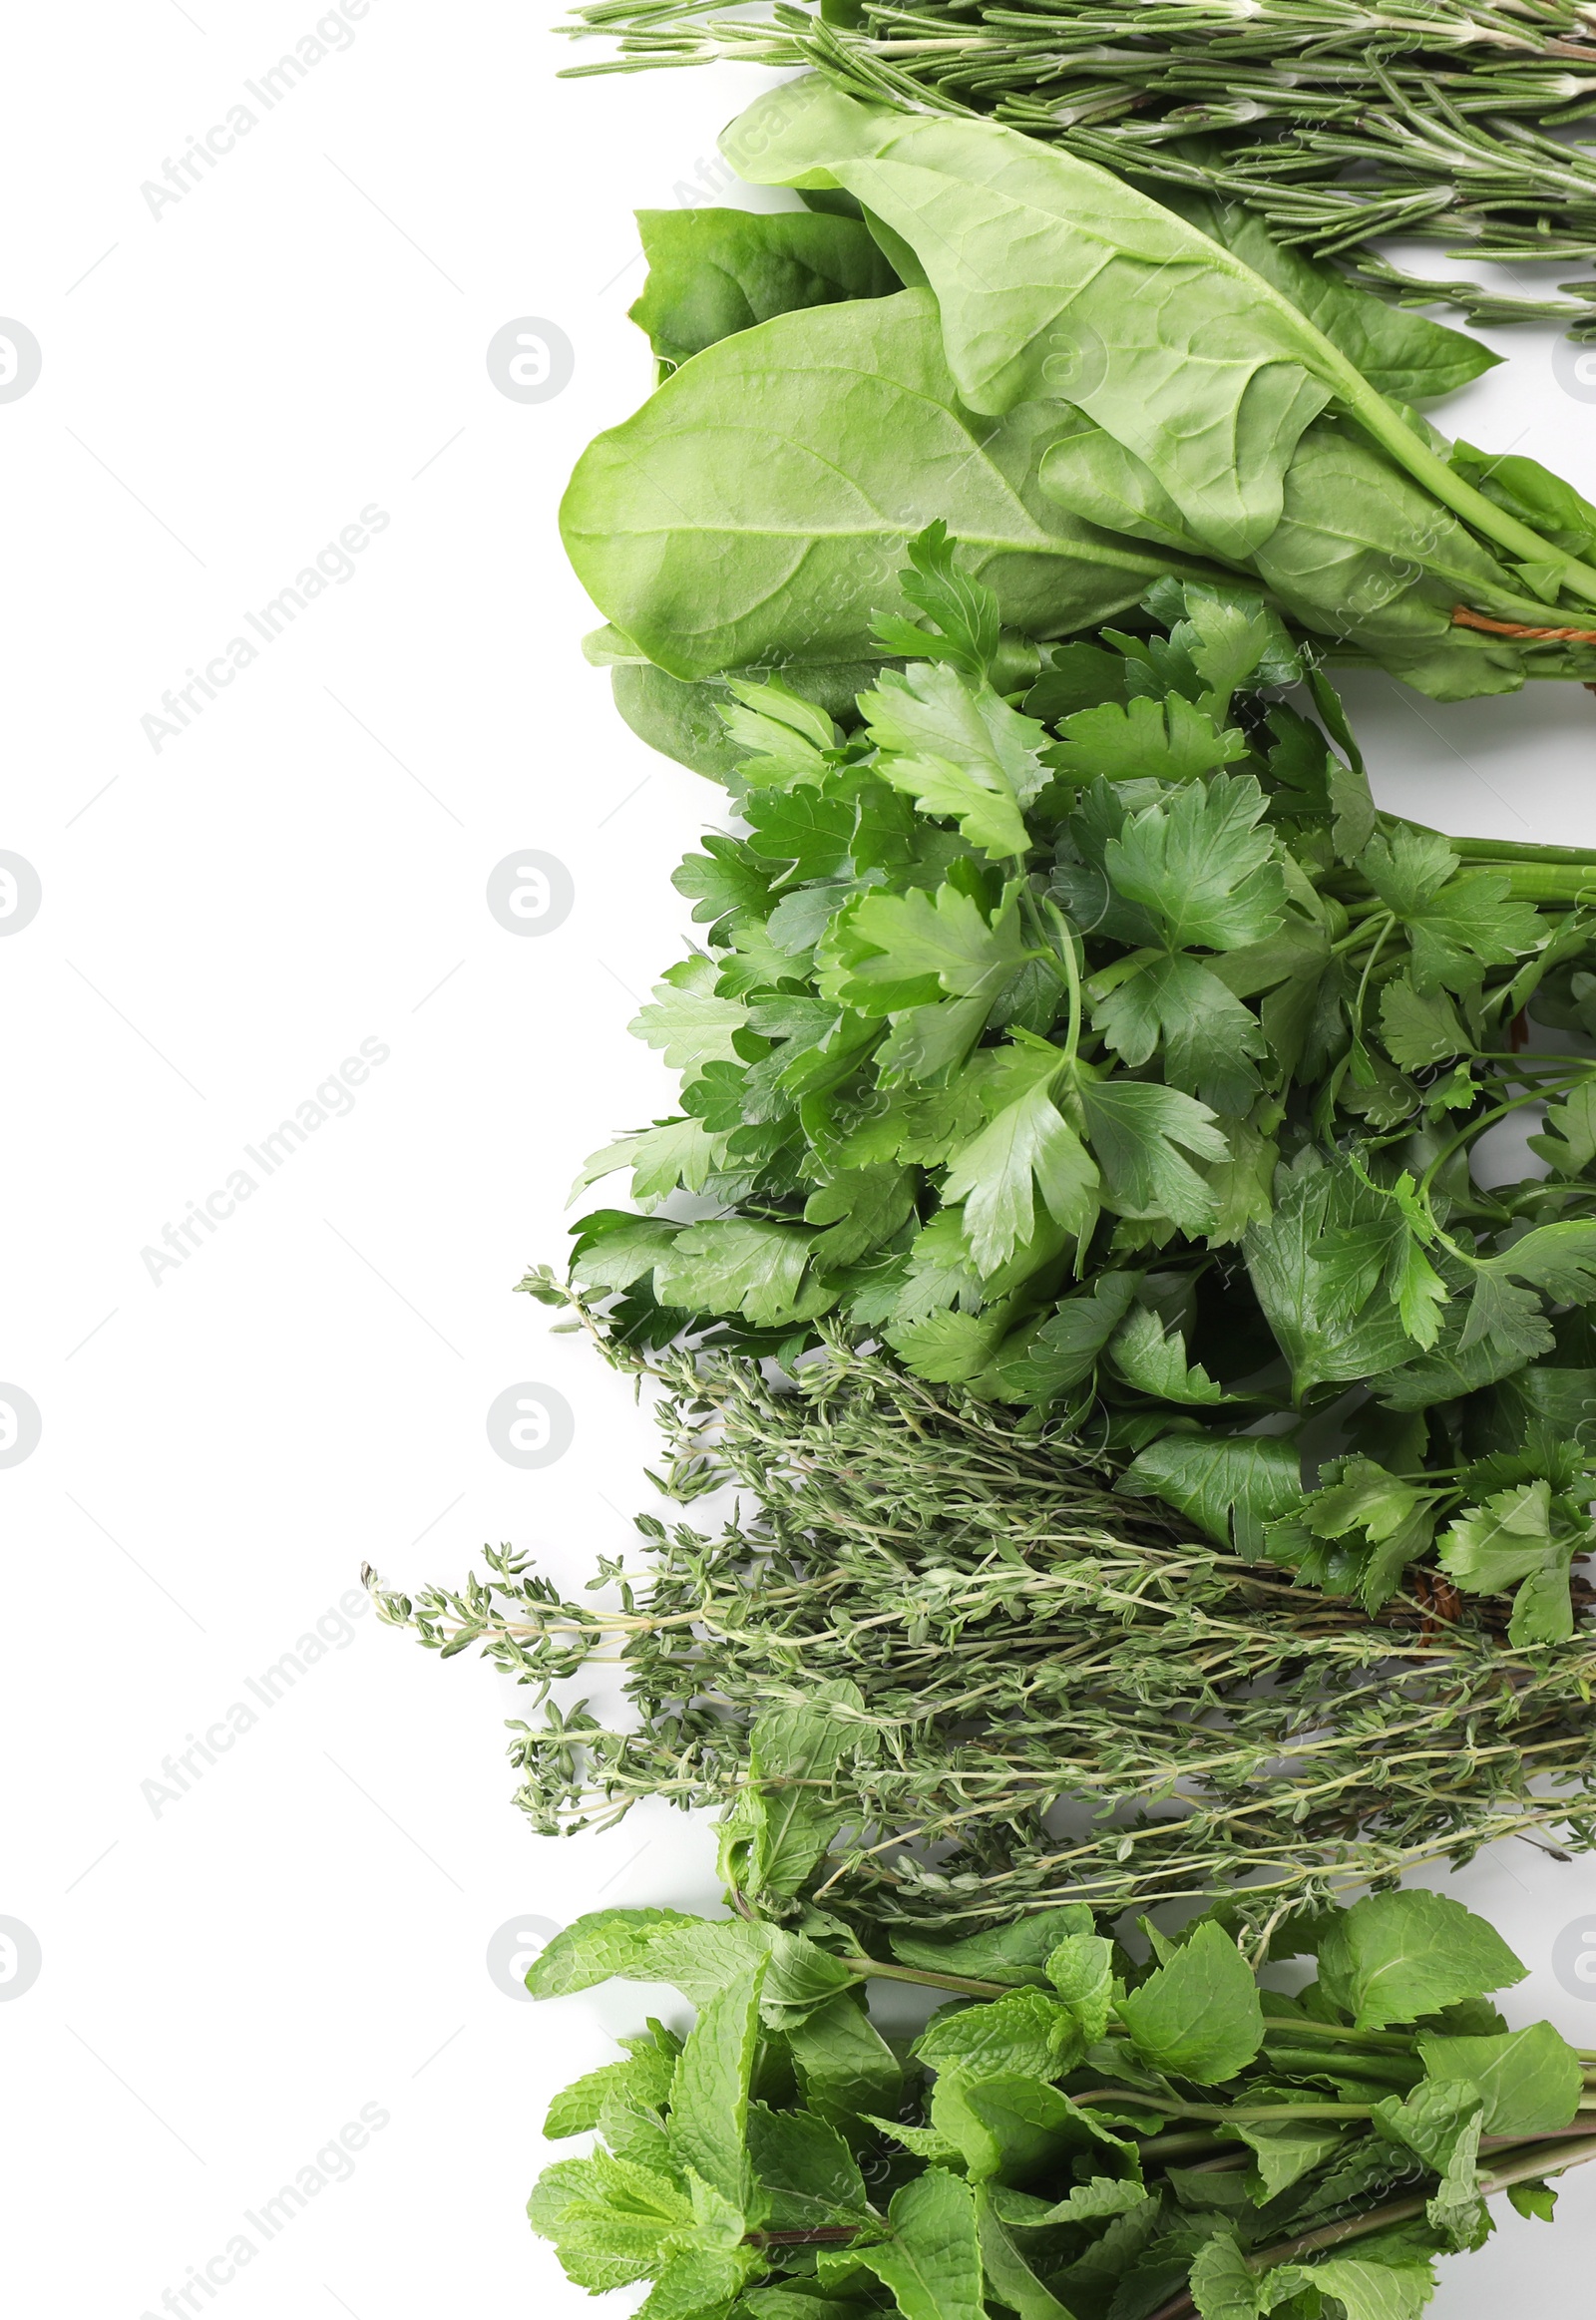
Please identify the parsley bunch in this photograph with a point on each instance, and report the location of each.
(1075, 2135)
(1101, 1050)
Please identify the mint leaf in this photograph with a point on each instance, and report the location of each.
(932, 2262)
(1531, 2079)
(1395, 1957)
(1198, 2017)
(642, 2079)
(610, 2221)
(1026, 2032)
(789, 1812)
(607, 1945)
(1364, 2289)
(1011, 2123)
(1010, 1953)
(807, 2176)
(1223, 2284)
(846, 2069)
(710, 2089)
(1081, 1970)
(1010, 2279)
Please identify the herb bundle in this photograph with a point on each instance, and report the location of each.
(1118, 1074)
(1089, 2138)
(1038, 1692)
(1088, 388)
(1163, 1461)
(1113, 1057)
(1333, 125)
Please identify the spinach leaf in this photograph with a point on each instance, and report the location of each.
(1179, 351)
(713, 272)
(849, 438)
(1401, 353)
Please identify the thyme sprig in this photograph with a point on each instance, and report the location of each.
(1058, 1699)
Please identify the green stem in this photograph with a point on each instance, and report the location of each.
(1478, 1127)
(1526, 2169)
(1375, 415)
(1506, 849)
(1072, 966)
(1548, 882)
(871, 1969)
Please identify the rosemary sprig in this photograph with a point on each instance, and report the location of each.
(1336, 123)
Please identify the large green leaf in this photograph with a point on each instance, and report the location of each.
(712, 273)
(788, 1814)
(1395, 1957)
(1404, 354)
(760, 504)
(1198, 2017)
(932, 2262)
(1018, 1952)
(1233, 1485)
(709, 2088)
(1532, 2079)
(1319, 1340)
(1054, 278)
(807, 2174)
(845, 2067)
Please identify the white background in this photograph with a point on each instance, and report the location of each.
(227, 1979)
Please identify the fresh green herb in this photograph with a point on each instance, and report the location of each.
(1122, 1063)
(1111, 414)
(1176, 2137)
(1113, 1064)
